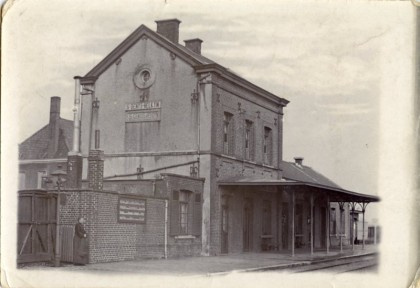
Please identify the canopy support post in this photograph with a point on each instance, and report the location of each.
(328, 224)
(353, 206)
(363, 205)
(312, 223)
(341, 204)
(293, 223)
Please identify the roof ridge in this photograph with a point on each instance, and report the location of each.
(131, 40)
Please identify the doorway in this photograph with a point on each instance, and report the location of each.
(225, 229)
(285, 226)
(247, 225)
(323, 227)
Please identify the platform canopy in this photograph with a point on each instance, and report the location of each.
(305, 179)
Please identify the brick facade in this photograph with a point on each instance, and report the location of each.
(112, 240)
(96, 169)
(243, 105)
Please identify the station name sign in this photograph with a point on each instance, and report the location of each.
(143, 106)
(143, 111)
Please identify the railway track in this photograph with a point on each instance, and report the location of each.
(367, 262)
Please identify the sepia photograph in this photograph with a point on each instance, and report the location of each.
(209, 144)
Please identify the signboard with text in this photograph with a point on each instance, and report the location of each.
(143, 112)
(132, 210)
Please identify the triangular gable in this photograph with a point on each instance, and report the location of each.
(189, 56)
(36, 145)
(201, 64)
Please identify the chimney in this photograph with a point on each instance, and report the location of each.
(299, 161)
(194, 45)
(169, 28)
(54, 126)
(55, 108)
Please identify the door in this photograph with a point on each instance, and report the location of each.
(36, 226)
(285, 225)
(323, 227)
(225, 229)
(247, 225)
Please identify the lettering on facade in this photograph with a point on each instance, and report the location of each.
(142, 116)
(143, 112)
(132, 210)
(143, 106)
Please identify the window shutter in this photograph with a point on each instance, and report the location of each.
(232, 136)
(252, 143)
(197, 215)
(174, 212)
(190, 212)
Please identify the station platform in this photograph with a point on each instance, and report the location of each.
(219, 265)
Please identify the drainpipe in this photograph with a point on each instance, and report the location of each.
(166, 230)
(76, 111)
(199, 81)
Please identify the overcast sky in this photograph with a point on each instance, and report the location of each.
(328, 59)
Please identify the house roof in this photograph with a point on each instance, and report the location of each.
(294, 175)
(306, 174)
(198, 61)
(36, 146)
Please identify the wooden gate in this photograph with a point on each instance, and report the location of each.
(36, 226)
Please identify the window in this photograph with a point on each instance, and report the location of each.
(268, 146)
(333, 222)
(22, 180)
(249, 140)
(371, 232)
(41, 175)
(185, 213)
(227, 133)
(266, 225)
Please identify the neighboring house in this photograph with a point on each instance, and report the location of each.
(45, 150)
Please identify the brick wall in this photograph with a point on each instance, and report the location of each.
(112, 240)
(96, 169)
(151, 236)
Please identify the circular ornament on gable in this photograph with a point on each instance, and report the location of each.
(144, 77)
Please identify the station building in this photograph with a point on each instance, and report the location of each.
(176, 155)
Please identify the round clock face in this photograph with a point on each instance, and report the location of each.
(144, 77)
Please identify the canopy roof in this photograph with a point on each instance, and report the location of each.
(302, 176)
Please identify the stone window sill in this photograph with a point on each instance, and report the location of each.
(185, 237)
